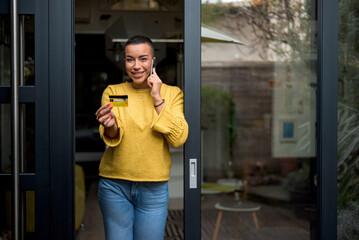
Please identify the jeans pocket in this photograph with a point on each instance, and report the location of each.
(154, 193)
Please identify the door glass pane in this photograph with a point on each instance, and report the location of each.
(100, 33)
(348, 120)
(5, 50)
(258, 119)
(5, 130)
(27, 134)
(27, 126)
(27, 117)
(28, 48)
(26, 130)
(146, 5)
(27, 210)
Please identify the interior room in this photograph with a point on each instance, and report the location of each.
(257, 118)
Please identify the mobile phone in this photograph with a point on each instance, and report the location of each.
(152, 66)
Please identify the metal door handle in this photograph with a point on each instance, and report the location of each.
(193, 173)
(15, 116)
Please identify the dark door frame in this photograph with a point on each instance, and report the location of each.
(53, 95)
(37, 94)
(192, 93)
(327, 118)
(326, 176)
(54, 106)
(61, 70)
(61, 118)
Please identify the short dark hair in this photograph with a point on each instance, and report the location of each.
(138, 39)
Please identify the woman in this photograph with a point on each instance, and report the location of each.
(135, 169)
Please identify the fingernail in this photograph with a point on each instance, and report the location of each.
(111, 107)
(108, 104)
(109, 114)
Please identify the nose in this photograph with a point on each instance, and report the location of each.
(136, 64)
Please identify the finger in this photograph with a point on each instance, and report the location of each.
(111, 122)
(102, 108)
(154, 79)
(155, 74)
(103, 118)
(108, 122)
(150, 81)
(104, 111)
(154, 71)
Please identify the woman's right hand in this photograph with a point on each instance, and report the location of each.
(105, 116)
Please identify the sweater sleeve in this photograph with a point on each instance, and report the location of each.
(171, 121)
(111, 142)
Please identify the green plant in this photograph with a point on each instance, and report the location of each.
(348, 222)
(219, 112)
(298, 179)
(348, 107)
(348, 155)
(212, 12)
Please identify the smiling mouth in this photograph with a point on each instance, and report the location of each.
(137, 74)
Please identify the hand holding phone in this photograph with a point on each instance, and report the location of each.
(154, 82)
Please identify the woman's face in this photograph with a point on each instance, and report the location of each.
(138, 60)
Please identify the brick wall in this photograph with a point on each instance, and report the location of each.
(249, 85)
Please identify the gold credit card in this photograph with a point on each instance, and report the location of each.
(119, 100)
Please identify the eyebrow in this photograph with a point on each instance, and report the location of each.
(140, 56)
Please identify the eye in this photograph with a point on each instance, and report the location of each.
(129, 60)
(143, 59)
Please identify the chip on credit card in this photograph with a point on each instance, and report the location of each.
(119, 100)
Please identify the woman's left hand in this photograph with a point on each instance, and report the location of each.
(154, 82)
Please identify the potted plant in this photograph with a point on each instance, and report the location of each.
(219, 126)
(298, 185)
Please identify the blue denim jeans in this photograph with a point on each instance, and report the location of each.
(133, 210)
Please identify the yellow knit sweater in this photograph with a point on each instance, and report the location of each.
(141, 152)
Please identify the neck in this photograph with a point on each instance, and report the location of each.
(142, 86)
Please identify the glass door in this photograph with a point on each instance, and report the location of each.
(36, 120)
(258, 122)
(23, 172)
(348, 118)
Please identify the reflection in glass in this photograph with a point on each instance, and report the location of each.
(258, 120)
(4, 50)
(28, 228)
(29, 50)
(28, 136)
(5, 141)
(348, 120)
(28, 47)
(138, 5)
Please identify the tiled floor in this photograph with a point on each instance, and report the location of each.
(93, 225)
(275, 221)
